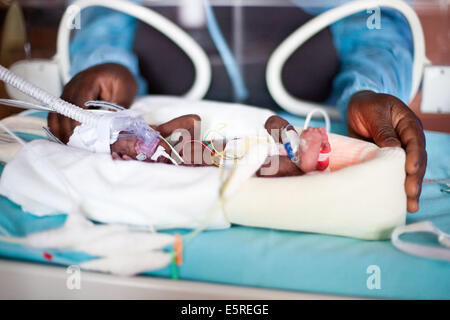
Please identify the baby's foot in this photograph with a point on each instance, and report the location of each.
(313, 141)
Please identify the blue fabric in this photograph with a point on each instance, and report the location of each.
(105, 35)
(370, 59)
(288, 260)
(379, 60)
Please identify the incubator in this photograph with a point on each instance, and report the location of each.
(220, 61)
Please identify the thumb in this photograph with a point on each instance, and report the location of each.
(384, 135)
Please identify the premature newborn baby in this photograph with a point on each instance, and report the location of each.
(304, 153)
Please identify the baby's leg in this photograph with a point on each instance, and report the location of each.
(311, 143)
(285, 168)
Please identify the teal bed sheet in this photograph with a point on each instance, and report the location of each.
(290, 260)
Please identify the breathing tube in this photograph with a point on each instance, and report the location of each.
(58, 105)
(109, 124)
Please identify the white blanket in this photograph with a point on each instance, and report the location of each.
(47, 178)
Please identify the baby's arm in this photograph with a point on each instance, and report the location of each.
(188, 145)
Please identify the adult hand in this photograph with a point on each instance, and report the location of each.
(109, 82)
(387, 121)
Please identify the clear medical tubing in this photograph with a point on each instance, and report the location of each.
(118, 122)
(62, 107)
(192, 49)
(301, 35)
(231, 65)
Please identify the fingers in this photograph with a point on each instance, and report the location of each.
(121, 86)
(124, 157)
(413, 141)
(115, 156)
(415, 166)
(390, 123)
(61, 127)
(53, 124)
(83, 95)
(412, 137)
(401, 128)
(110, 82)
(412, 205)
(81, 89)
(122, 94)
(127, 157)
(413, 188)
(65, 127)
(384, 135)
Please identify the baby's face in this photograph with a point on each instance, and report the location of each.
(124, 148)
